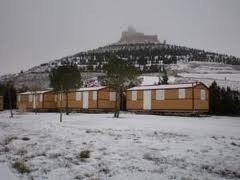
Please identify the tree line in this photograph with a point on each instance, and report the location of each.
(223, 101)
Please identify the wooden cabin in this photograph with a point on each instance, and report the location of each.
(189, 97)
(88, 99)
(1, 103)
(37, 100)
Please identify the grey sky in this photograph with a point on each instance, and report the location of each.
(33, 32)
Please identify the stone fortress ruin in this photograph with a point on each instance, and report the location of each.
(131, 36)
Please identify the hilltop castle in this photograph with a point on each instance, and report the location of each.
(131, 36)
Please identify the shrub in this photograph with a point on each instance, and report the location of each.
(84, 154)
(9, 139)
(21, 167)
(25, 138)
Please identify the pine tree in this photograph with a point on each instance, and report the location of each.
(9, 94)
(118, 72)
(223, 101)
(63, 78)
(164, 77)
(214, 98)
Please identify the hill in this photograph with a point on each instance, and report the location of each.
(145, 52)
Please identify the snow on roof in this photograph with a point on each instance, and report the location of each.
(35, 92)
(167, 86)
(91, 88)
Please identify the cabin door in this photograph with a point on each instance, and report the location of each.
(34, 101)
(85, 100)
(147, 99)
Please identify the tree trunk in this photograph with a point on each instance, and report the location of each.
(61, 115)
(35, 101)
(10, 103)
(117, 104)
(116, 108)
(61, 98)
(66, 93)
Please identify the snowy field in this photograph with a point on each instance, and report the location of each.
(131, 147)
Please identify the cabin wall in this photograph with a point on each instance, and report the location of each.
(60, 103)
(199, 104)
(24, 103)
(72, 102)
(92, 104)
(171, 101)
(102, 101)
(48, 101)
(135, 105)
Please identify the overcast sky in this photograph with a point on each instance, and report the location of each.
(33, 32)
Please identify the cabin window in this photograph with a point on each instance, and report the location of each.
(160, 94)
(41, 98)
(181, 93)
(55, 98)
(19, 98)
(134, 95)
(30, 98)
(94, 95)
(78, 96)
(112, 96)
(203, 94)
(60, 96)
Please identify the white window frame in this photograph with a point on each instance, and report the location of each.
(203, 94)
(181, 93)
(160, 94)
(60, 96)
(134, 95)
(19, 97)
(30, 98)
(56, 97)
(112, 96)
(41, 98)
(78, 96)
(94, 95)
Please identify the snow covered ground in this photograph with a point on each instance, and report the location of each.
(131, 147)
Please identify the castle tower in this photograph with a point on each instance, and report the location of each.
(131, 36)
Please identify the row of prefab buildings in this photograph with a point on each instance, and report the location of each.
(187, 97)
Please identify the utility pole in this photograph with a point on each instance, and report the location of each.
(159, 73)
(61, 98)
(10, 99)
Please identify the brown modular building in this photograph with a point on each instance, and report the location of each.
(88, 99)
(189, 97)
(37, 100)
(1, 103)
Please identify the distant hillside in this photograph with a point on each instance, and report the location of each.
(147, 57)
(143, 51)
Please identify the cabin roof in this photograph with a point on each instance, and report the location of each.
(165, 86)
(91, 88)
(34, 92)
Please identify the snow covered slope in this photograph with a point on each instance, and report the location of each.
(135, 147)
(224, 75)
